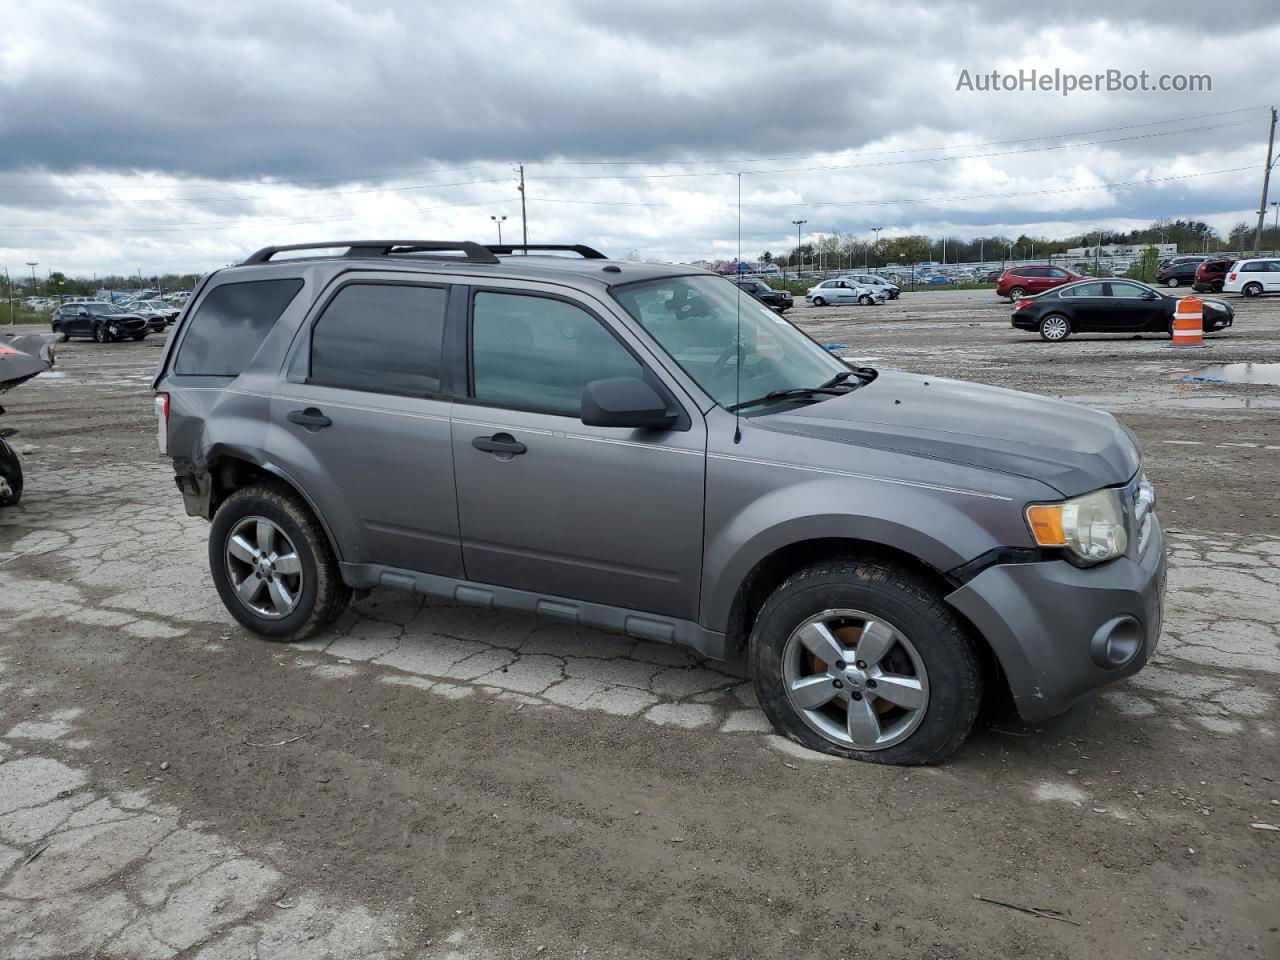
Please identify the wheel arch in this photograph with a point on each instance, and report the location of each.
(231, 468)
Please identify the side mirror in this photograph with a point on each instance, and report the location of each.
(624, 402)
(82, 312)
(1151, 295)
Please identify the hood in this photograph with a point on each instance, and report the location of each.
(1072, 448)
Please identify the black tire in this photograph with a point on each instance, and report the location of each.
(10, 475)
(902, 597)
(819, 302)
(323, 596)
(1017, 293)
(100, 334)
(1252, 289)
(865, 300)
(1171, 282)
(1049, 330)
(139, 336)
(63, 336)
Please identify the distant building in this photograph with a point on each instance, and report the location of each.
(1122, 250)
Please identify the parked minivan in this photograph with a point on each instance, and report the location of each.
(1253, 277)
(646, 449)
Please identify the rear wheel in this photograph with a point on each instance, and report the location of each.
(1252, 290)
(1016, 293)
(272, 564)
(139, 336)
(1171, 282)
(1055, 327)
(864, 659)
(63, 337)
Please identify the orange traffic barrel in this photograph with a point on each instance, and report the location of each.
(1188, 323)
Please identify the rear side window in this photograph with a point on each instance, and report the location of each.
(380, 338)
(230, 325)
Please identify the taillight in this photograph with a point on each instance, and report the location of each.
(1233, 276)
(162, 421)
(1022, 304)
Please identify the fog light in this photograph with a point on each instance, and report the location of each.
(1116, 642)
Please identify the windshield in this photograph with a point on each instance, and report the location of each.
(695, 319)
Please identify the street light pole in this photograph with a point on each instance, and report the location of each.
(876, 231)
(498, 220)
(33, 264)
(1276, 224)
(798, 224)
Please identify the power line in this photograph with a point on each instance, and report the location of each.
(896, 163)
(885, 203)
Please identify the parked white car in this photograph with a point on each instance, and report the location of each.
(844, 291)
(1253, 277)
(873, 280)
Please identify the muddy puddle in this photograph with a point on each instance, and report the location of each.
(1226, 373)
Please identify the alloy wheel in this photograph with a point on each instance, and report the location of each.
(264, 567)
(1054, 328)
(855, 679)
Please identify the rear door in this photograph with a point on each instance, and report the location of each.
(1087, 303)
(601, 514)
(1271, 279)
(364, 421)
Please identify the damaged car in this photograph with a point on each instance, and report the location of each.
(21, 358)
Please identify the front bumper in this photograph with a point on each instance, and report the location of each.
(1049, 623)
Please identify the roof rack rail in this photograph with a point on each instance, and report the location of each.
(473, 252)
(587, 253)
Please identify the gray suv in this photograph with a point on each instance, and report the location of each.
(646, 449)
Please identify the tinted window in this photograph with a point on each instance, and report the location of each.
(1127, 290)
(1083, 290)
(1057, 272)
(538, 353)
(231, 324)
(380, 338)
(1252, 266)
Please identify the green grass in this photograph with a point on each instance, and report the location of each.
(22, 315)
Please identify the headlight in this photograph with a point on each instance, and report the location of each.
(1091, 527)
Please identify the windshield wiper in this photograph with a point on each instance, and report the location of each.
(835, 387)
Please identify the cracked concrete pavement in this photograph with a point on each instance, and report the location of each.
(426, 780)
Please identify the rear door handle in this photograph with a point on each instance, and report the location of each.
(499, 443)
(311, 418)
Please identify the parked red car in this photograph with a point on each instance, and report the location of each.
(1210, 275)
(1018, 282)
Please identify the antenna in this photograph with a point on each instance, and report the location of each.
(737, 367)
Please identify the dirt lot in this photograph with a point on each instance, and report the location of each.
(430, 781)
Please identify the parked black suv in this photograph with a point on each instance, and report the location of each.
(1180, 272)
(779, 300)
(100, 320)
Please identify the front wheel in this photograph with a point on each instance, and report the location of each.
(1055, 327)
(819, 302)
(1252, 290)
(139, 336)
(272, 564)
(865, 300)
(863, 659)
(100, 334)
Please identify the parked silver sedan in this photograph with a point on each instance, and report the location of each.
(844, 291)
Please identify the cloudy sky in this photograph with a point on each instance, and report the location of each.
(178, 135)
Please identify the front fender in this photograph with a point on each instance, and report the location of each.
(941, 529)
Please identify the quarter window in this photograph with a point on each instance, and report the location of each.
(230, 325)
(380, 338)
(536, 353)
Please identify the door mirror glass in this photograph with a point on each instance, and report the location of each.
(1150, 295)
(624, 402)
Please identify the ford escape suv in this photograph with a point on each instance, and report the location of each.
(647, 449)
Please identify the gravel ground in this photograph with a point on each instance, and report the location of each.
(431, 781)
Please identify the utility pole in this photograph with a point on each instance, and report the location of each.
(798, 224)
(524, 218)
(1266, 183)
(8, 286)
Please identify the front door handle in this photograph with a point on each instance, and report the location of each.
(499, 443)
(311, 418)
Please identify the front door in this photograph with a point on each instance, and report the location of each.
(365, 429)
(1128, 308)
(549, 505)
